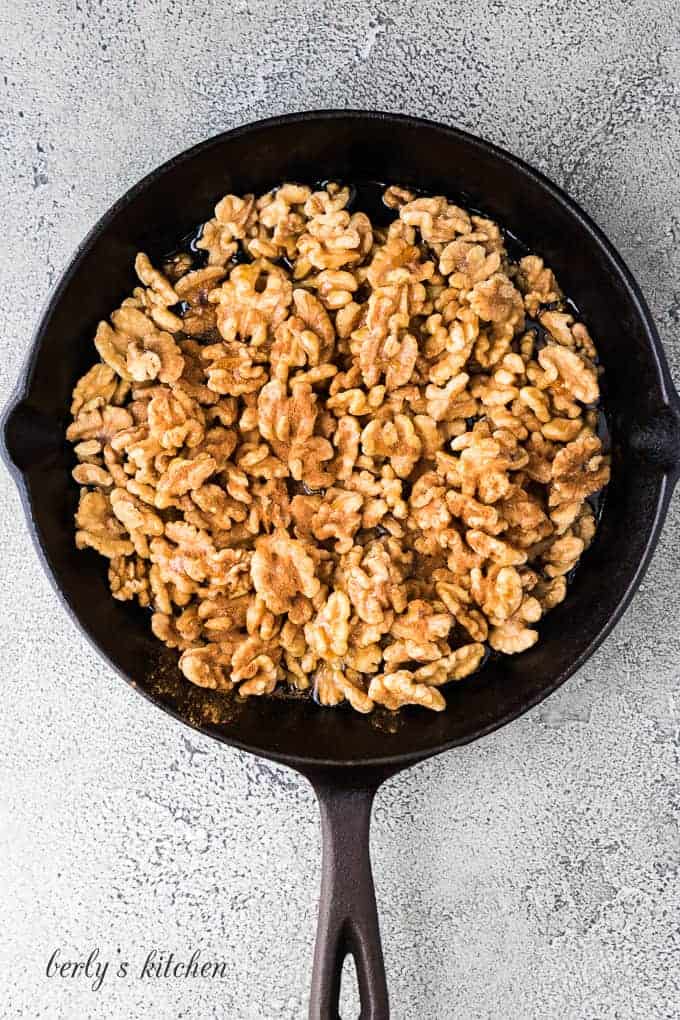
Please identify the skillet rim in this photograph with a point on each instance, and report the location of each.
(667, 475)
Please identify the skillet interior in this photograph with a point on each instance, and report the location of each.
(354, 147)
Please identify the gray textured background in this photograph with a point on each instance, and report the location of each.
(533, 875)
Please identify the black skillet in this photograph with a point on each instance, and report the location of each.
(347, 756)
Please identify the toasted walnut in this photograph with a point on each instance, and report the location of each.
(175, 419)
(396, 440)
(512, 637)
(208, 666)
(374, 582)
(333, 237)
(327, 635)
(550, 593)
(337, 456)
(156, 356)
(437, 220)
(448, 403)
(468, 263)
(233, 218)
(281, 568)
(578, 375)
(393, 690)
(456, 665)
(499, 594)
(128, 578)
(98, 528)
(134, 514)
(457, 601)
(537, 283)
(338, 517)
(182, 475)
(578, 470)
(497, 300)
(253, 301)
(231, 370)
(102, 425)
(254, 667)
(95, 388)
(92, 474)
(332, 686)
(163, 291)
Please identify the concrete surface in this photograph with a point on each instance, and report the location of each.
(534, 875)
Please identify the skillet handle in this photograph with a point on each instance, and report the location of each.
(348, 916)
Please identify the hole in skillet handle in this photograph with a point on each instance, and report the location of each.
(28, 438)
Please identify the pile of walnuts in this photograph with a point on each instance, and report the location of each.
(339, 456)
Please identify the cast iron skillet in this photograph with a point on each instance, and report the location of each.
(347, 756)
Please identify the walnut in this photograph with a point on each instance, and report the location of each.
(578, 375)
(327, 635)
(467, 263)
(578, 470)
(437, 220)
(392, 355)
(99, 424)
(537, 283)
(155, 356)
(282, 218)
(447, 403)
(92, 474)
(317, 321)
(287, 422)
(497, 300)
(128, 578)
(395, 197)
(254, 666)
(499, 593)
(427, 501)
(166, 628)
(134, 514)
(396, 440)
(231, 370)
(421, 624)
(494, 549)
(94, 389)
(474, 514)
(455, 666)
(338, 517)
(198, 315)
(281, 568)
(252, 302)
(333, 237)
(181, 476)
(562, 554)
(335, 456)
(208, 666)
(163, 291)
(234, 216)
(333, 686)
(550, 593)
(97, 527)
(373, 581)
(175, 419)
(512, 637)
(457, 601)
(393, 690)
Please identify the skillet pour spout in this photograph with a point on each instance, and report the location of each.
(346, 757)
